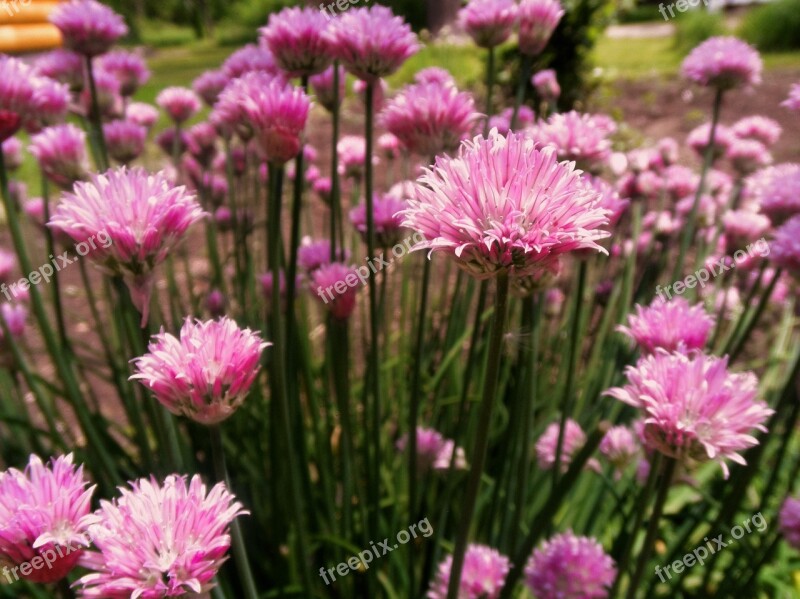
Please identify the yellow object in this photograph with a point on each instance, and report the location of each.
(24, 26)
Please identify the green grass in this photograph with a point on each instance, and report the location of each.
(466, 63)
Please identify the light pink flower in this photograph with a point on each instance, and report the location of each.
(325, 94)
(129, 67)
(17, 95)
(488, 22)
(777, 191)
(546, 85)
(748, 155)
(160, 540)
(372, 42)
(699, 138)
(12, 153)
(248, 59)
(538, 20)
(64, 66)
(386, 217)
(180, 103)
(352, 151)
(785, 246)
(204, 374)
(484, 572)
(50, 106)
(793, 101)
(694, 408)
(742, 227)
(435, 75)
(142, 114)
(547, 445)
(430, 118)
(142, 215)
(299, 40)
(109, 100)
(209, 85)
(567, 566)
(336, 286)
(44, 510)
(61, 152)
(759, 128)
(125, 140)
(670, 325)
(312, 255)
(579, 137)
(620, 447)
(88, 27)
(724, 63)
(502, 121)
(789, 521)
(504, 204)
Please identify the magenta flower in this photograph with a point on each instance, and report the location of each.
(435, 75)
(785, 246)
(206, 373)
(694, 408)
(336, 286)
(125, 140)
(324, 92)
(699, 138)
(671, 325)
(759, 128)
(372, 42)
(248, 59)
(141, 217)
(567, 566)
(387, 220)
(17, 95)
(502, 121)
(352, 150)
(777, 191)
(109, 100)
(547, 445)
(485, 571)
(180, 103)
(160, 540)
(129, 67)
(538, 20)
(8, 263)
(503, 204)
(546, 85)
(63, 66)
(15, 316)
(209, 86)
(609, 199)
(202, 143)
(429, 444)
(50, 106)
(12, 153)
(488, 22)
(61, 153)
(430, 118)
(88, 27)
(142, 114)
(445, 456)
(312, 255)
(620, 447)
(793, 101)
(789, 521)
(44, 512)
(579, 137)
(748, 155)
(275, 110)
(724, 63)
(742, 227)
(299, 40)
(379, 91)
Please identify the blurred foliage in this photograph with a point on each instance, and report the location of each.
(775, 26)
(696, 26)
(641, 13)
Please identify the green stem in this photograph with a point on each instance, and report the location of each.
(237, 541)
(759, 310)
(95, 118)
(482, 434)
(522, 86)
(490, 77)
(335, 188)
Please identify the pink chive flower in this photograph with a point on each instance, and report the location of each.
(388, 221)
(15, 316)
(8, 263)
(109, 100)
(324, 92)
(142, 114)
(777, 191)
(759, 128)
(312, 255)
(248, 59)
(519, 209)
(694, 408)
(789, 521)
(17, 95)
(538, 20)
(336, 286)
(430, 118)
(12, 153)
(51, 104)
(372, 42)
(488, 22)
(352, 151)
(204, 374)
(670, 325)
(699, 138)
(160, 540)
(88, 27)
(180, 103)
(44, 511)
(742, 227)
(484, 573)
(445, 456)
(379, 91)
(785, 246)
(390, 146)
(546, 85)
(209, 86)
(129, 67)
(569, 566)
(125, 140)
(502, 121)
(747, 156)
(61, 153)
(724, 63)
(620, 447)
(202, 143)
(435, 75)
(300, 41)
(609, 199)
(142, 215)
(579, 137)
(63, 66)
(430, 443)
(547, 445)
(793, 101)
(275, 110)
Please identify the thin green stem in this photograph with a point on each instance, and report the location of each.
(95, 118)
(490, 77)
